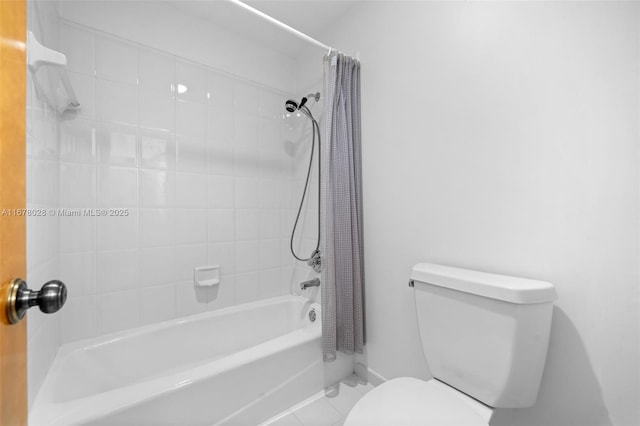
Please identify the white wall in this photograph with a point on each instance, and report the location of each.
(504, 137)
(43, 331)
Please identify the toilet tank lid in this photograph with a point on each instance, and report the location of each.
(494, 286)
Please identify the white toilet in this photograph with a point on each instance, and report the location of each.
(484, 337)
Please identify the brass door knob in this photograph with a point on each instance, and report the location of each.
(49, 299)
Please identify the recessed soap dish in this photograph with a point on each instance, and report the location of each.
(206, 276)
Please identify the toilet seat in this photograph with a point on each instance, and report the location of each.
(407, 401)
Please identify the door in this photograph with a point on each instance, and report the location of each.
(13, 338)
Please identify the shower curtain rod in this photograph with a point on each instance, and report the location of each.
(282, 25)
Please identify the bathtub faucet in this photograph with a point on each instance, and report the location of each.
(311, 283)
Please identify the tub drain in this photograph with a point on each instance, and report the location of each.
(312, 315)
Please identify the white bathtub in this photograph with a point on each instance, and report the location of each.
(238, 365)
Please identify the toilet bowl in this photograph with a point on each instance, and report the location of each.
(485, 338)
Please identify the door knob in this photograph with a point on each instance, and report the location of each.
(49, 299)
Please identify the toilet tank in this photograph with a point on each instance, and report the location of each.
(484, 334)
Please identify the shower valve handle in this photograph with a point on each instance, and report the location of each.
(19, 298)
(315, 261)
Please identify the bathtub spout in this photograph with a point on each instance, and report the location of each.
(311, 283)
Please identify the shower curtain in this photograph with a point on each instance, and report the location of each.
(341, 211)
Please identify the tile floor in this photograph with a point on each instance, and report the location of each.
(323, 409)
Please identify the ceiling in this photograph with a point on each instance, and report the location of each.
(308, 16)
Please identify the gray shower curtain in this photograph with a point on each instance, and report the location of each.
(341, 211)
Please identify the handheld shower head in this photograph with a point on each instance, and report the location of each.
(291, 105)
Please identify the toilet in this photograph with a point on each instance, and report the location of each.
(485, 339)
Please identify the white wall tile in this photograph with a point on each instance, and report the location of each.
(117, 102)
(247, 256)
(287, 220)
(246, 98)
(116, 270)
(271, 105)
(78, 272)
(157, 72)
(157, 304)
(270, 283)
(220, 192)
(117, 187)
(270, 224)
(118, 310)
(42, 143)
(287, 275)
(221, 226)
(77, 185)
(189, 299)
(191, 82)
(269, 254)
(246, 162)
(246, 193)
(117, 145)
(78, 141)
(191, 155)
(191, 119)
(288, 201)
(247, 287)
(46, 230)
(221, 91)
(157, 266)
(190, 226)
(224, 294)
(42, 182)
(118, 232)
(191, 167)
(157, 111)
(157, 150)
(79, 318)
(117, 61)
(77, 233)
(220, 125)
(270, 137)
(191, 190)
(245, 130)
(247, 224)
(286, 258)
(79, 46)
(157, 188)
(274, 165)
(157, 227)
(187, 258)
(220, 158)
(85, 88)
(271, 194)
(42, 346)
(223, 254)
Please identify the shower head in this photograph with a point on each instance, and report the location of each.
(293, 106)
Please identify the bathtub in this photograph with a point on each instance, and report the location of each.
(236, 366)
